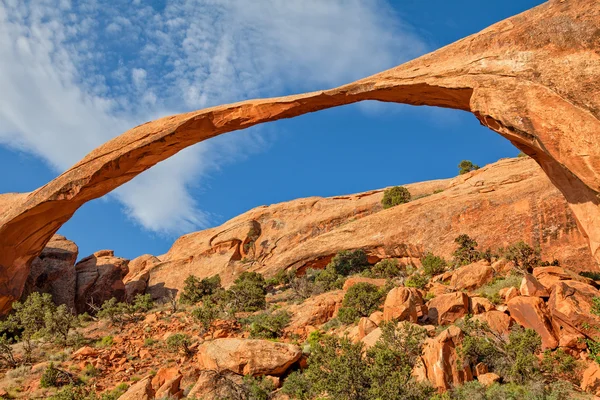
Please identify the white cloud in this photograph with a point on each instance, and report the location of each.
(75, 74)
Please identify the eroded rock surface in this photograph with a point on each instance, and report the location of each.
(247, 356)
(306, 233)
(533, 78)
(54, 271)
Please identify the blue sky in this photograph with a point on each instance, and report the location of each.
(75, 74)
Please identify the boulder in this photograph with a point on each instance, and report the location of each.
(498, 321)
(531, 312)
(447, 308)
(247, 356)
(488, 379)
(510, 294)
(590, 381)
(401, 304)
(314, 311)
(361, 279)
(480, 369)
(99, 278)
(139, 266)
(214, 385)
(480, 305)
(376, 317)
(365, 326)
(472, 276)
(530, 286)
(141, 390)
(570, 304)
(441, 360)
(372, 338)
(170, 389)
(53, 271)
(549, 276)
(163, 375)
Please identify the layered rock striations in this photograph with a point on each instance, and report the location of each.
(498, 205)
(533, 78)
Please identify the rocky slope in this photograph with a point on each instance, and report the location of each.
(498, 205)
(532, 78)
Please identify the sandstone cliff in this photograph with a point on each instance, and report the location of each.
(498, 205)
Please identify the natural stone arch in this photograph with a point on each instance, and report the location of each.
(533, 78)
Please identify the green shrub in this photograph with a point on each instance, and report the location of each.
(267, 325)
(328, 279)
(7, 357)
(179, 342)
(195, 289)
(535, 390)
(257, 388)
(248, 292)
(558, 365)
(340, 369)
(283, 277)
(593, 275)
(206, 314)
(522, 255)
(55, 377)
(466, 253)
(395, 196)
(360, 300)
(297, 386)
(111, 309)
(514, 359)
(392, 360)
(385, 269)
(106, 341)
(433, 265)
(347, 315)
(59, 322)
(466, 166)
(142, 303)
(417, 280)
(348, 262)
(492, 289)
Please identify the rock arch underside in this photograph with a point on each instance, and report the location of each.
(533, 78)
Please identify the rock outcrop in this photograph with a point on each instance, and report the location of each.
(100, 278)
(518, 202)
(401, 304)
(447, 308)
(472, 276)
(54, 271)
(441, 360)
(533, 78)
(532, 313)
(247, 356)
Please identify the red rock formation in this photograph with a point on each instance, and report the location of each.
(532, 313)
(401, 304)
(306, 233)
(447, 308)
(533, 78)
(54, 271)
(100, 278)
(472, 276)
(247, 356)
(441, 360)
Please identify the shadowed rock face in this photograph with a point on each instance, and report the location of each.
(533, 78)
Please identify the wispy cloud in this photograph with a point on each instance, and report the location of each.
(75, 74)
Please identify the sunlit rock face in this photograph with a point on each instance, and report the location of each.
(533, 78)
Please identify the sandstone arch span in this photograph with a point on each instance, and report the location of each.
(534, 78)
